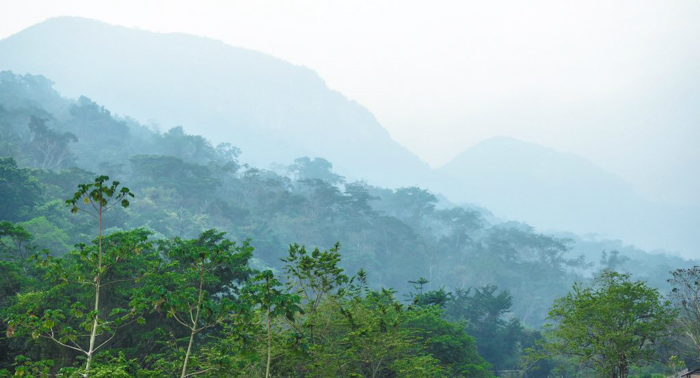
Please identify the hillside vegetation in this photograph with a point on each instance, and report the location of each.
(416, 286)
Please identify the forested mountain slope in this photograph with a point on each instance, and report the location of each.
(503, 277)
(273, 110)
(186, 185)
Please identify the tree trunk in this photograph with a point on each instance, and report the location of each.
(187, 355)
(194, 321)
(269, 344)
(93, 334)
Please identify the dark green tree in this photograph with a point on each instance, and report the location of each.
(198, 287)
(446, 341)
(314, 276)
(19, 191)
(486, 313)
(193, 182)
(268, 292)
(14, 242)
(85, 295)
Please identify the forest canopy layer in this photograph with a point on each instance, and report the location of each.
(204, 253)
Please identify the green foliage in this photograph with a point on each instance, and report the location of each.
(25, 367)
(488, 318)
(348, 330)
(448, 342)
(99, 194)
(483, 315)
(188, 186)
(191, 181)
(14, 242)
(315, 275)
(197, 285)
(61, 311)
(266, 291)
(312, 318)
(48, 235)
(19, 190)
(612, 324)
(63, 324)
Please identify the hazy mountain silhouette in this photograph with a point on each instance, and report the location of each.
(561, 191)
(273, 110)
(276, 111)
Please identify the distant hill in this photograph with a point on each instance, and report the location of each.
(273, 110)
(276, 111)
(559, 191)
(511, 177)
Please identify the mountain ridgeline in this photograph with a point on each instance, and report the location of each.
(558, 191)
(276, 111)
(273, 110)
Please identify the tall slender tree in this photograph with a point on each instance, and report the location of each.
(95, 199)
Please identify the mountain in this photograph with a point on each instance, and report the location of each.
(276, 111)
(273, 110)
(560, 191)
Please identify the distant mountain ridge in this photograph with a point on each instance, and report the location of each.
(273, 110)
(276, 111)
(561, 191)
(497, 165)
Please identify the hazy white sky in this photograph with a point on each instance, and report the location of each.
(614, 81)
